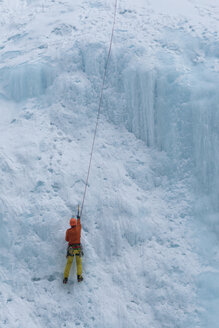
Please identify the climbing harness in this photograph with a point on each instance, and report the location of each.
(72, 248)
(99, 107)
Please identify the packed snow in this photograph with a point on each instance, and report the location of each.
(151, 217)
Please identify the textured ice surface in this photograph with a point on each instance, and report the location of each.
(151, 251)
(26, 81)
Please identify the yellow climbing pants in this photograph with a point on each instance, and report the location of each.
(69, 263)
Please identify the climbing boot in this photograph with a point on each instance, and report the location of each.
(65, 280)
(80, 278)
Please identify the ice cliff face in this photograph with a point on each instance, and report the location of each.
(172, 104)
(155, 177)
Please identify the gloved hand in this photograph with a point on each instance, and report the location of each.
(78, 217)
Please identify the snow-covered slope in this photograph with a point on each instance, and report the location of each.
(151, 211)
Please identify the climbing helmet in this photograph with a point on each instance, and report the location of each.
(73, 222)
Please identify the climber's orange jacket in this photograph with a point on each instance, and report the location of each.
(73, 235)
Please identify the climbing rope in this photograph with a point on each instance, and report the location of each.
(99, 108)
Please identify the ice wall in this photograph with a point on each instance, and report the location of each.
(26, 80)
(172, 105)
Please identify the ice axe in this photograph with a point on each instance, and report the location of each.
(78, 215)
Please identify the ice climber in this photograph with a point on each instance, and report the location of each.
(73, 236)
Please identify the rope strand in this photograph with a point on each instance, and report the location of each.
(99, 108)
